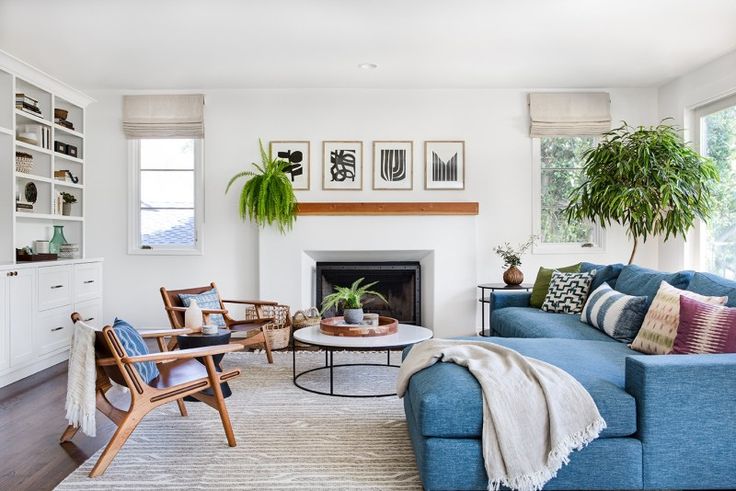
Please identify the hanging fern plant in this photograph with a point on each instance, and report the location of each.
(267, 196)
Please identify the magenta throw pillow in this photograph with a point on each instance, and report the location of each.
(705, 328)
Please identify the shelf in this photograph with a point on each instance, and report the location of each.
(58, 127)
(31, 117)
(30, 146)
(47, 216)
(393, 208)
(32, 177)
(68, 157)
(68, 184)
(6, 131)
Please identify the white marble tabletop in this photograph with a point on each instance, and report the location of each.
(408, 334)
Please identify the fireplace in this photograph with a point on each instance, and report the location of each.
(398, 281)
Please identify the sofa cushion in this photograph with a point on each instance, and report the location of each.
(567, 292)
(528, 322)
(603, 273)
(446, 398)
(712, 285)
(705, 328)
(615, 313)
(541, 284)
(638, 281)
(205, 300)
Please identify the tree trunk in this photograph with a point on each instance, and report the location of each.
(633, 251)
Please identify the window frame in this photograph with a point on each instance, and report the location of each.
(556, 247)
(134, 205)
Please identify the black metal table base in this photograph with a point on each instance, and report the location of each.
(330, 366)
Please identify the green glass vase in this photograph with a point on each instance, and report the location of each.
(57, 240)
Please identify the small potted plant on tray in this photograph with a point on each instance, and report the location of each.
(512, 260)
(351, 300)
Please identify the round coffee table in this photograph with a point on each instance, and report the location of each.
(406, 336)
(199, 340)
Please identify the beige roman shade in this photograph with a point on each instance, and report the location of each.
(569, 113)
(163, 116)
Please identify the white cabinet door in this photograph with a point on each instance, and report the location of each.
(4, 328)
(21, 292)
(91, 312)
(54, 287)
(54, 330)
(87, 281)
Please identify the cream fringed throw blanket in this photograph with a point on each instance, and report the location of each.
(534, 414)
(80, 385)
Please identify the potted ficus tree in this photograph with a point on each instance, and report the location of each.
(647, 179)
(351, 300)
(267, 197)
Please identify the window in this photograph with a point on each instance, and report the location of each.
(557, 166)
(716, 124)
(165, 213)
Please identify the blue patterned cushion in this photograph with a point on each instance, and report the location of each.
(617, 314)
(635, 280)
(134, 345)
(205, 300)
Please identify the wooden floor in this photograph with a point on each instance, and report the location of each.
(31, 422)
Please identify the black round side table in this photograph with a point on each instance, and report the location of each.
(199, 340)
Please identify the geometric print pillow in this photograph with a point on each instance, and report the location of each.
(659, 330)
(618, 315)
(567, 292)
(205, 300)
(705, 328)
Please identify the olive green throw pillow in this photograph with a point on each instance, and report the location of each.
(541, 285)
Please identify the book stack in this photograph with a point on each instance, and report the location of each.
(64, 123)
(27, 104)
(23, 206)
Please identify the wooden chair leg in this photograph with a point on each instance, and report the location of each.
(69, 433)
(116, 442)
(214, 377)
(267, 344)
(182, 407)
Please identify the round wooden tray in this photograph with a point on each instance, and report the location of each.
(335, 326)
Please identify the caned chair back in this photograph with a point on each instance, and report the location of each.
(171, 299)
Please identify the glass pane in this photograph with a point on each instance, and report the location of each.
(719, 138)
(167, 227)
(167, 189)
(556, 188)
(167, 154)
(564, 151)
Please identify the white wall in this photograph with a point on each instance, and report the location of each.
(494, 124)
(677, 100)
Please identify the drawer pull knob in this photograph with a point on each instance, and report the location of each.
(88, 282)
(57, 328)
(88, 319)
(54, 287)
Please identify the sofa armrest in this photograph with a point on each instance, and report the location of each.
(510, 299)
(686, 418)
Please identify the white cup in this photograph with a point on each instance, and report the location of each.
(41, 246)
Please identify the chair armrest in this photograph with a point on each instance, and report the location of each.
(510, 299)
(184, 353)
(685, 418)
(251, 302)
(204, 311)
(163, 333)
(250, 322)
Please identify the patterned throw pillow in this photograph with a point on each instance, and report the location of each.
(618, 315)
(705, 328)
(567, 292)
(205, 300)
(541, 284)
(658, 332)
(134, 345)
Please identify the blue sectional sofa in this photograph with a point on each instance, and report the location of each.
(671, 419)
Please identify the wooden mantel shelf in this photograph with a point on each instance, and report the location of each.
(393, 208)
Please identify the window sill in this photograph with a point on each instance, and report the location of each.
(165, 252)
(567, 249)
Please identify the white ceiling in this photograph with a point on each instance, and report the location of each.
(192, 44)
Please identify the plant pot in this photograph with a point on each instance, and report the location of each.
(66, 209)
(513, 276)
(353, 316)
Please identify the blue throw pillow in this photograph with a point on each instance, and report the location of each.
(604, 273)
(712, 285)
(205, 300)
(638, 281)
(134, 345)
(618, 315)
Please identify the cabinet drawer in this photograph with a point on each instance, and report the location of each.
(54, 287)
(53, 330)
(91, 312)
(87, 281)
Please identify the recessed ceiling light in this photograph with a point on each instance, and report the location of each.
(368, 66)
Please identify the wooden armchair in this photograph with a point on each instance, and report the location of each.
(180, 375)
(175, 311)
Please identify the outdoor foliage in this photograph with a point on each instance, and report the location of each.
(648, 180)
(350, 297)
(267, 196)
(511, 256)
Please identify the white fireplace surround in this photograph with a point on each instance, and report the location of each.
(445, 246)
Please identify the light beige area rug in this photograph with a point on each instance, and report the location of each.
(287, 438)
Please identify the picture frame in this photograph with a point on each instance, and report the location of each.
(298, 154)
(342, 165)
(444, 164)
(393, 165)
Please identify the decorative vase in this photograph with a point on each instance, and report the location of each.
(193, 316)
(353, 316)
(57, 240)
(513, 276)
(66, 209)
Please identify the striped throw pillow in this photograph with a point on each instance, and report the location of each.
(615, 313)
(705, 328)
